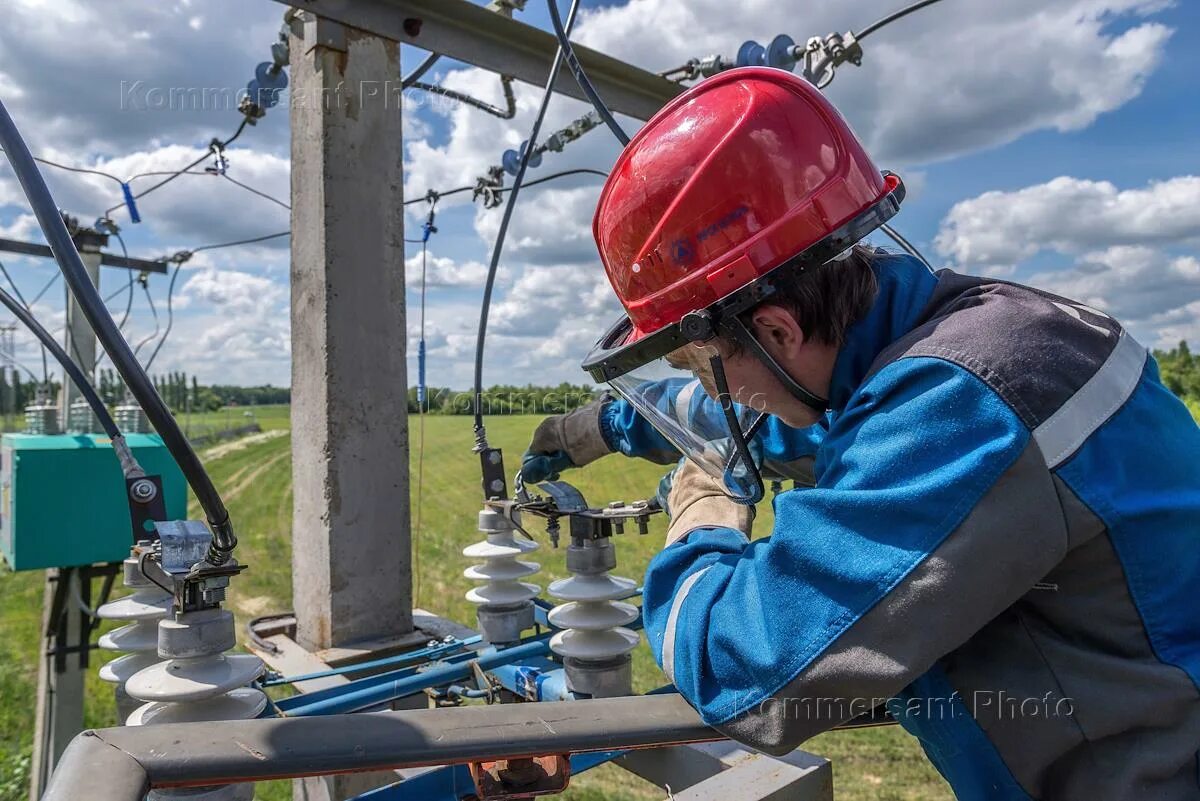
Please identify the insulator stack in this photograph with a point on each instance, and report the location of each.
(594, 643)
(81, 419)
(42, 418)
(198, 681)
(142, 610)
(131, 419)
(505, 603)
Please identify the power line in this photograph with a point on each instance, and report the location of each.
(21, 298)
(456, 190)
(240, 242)
(498, 248)
(258, 192)
(890, 18)
(170, 314)
(69, 168)
(45, 288)
(564, 44)
(150, 301)
(506, 113)
(215, 146)
(422, 68)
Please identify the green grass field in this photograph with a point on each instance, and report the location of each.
(256, 482)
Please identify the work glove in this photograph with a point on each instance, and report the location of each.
(697, 500)
(565, 440)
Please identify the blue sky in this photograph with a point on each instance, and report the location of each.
(1054, 143)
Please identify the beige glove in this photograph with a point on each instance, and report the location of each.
(575, 435)
(697, 500)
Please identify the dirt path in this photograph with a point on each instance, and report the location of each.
(245, 479)
(224, 449)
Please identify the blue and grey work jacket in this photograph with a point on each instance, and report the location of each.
(1002, 546)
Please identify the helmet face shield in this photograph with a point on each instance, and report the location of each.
(681, 394)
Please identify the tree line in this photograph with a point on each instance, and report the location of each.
(505, 399)
(1180, 372)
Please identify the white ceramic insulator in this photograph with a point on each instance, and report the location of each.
(593, 618)
(206, 684)
(501, 570)
(144, 608)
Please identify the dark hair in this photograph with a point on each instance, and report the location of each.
(826, 300)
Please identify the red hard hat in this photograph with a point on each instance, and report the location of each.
(742, 173)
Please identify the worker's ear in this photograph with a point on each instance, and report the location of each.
(778, 332)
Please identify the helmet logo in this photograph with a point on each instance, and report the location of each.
(681, 251)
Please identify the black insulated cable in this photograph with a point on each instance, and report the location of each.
(422, 68)
(564, 45)
(498, 248)
(819, 70)
(93, 308)
(129, 465)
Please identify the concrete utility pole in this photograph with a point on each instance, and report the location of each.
(59, 714)
(351, 567)
(78, 339)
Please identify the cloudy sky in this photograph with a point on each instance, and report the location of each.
(1048, 142)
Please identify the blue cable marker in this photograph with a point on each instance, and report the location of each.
(421, 373)
(130, 203)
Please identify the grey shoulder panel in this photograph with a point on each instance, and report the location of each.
(1034, 349)
(1068, 689)
(1012, 538)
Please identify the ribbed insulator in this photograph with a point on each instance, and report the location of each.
(81, 419)
(198, 681)
(42, 418)
(142, 610)
(131, 419)
(594, 643)
(593, 618)
(505, 602)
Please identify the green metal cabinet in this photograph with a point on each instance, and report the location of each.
(62, 497)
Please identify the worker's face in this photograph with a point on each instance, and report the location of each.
(751, 383)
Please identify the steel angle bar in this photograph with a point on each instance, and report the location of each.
(472, 34)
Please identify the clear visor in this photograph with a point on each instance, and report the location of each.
(678, 394)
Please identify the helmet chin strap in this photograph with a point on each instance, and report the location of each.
(746, 495)
(738, 330)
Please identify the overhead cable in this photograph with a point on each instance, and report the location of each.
(498, 248)
(73, 371)
(216, 146)
(170, 313)
(422, 68)
(506, 113)
(21, 298)
(564, 45)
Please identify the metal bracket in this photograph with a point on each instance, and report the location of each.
(323, 32)
(146, 506)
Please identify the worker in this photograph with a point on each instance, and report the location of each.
(1002, 546)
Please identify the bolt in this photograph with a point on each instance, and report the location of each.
(494, 457)
(412, 26)
(497, 485)
(143, 490)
